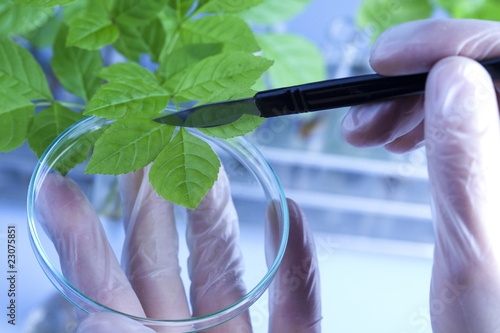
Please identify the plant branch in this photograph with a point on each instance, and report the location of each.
(66, 104)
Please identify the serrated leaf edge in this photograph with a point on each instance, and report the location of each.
(158, 186)
(123, 147)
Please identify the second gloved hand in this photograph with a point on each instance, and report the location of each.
(458, 117)
(149, 285)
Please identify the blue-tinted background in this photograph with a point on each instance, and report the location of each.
(369, 210)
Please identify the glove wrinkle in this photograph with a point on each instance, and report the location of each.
(215, 262)
(480, 45)
(462, 139)
(462, 130)
(412, 140)
(294, 295)
(86, 258)
(377, 124)
(409, 48)
(150, 252)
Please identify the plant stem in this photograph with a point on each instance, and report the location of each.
(176, 34)
(179, 10)
(172, 42)
(73, 105)
(66, 104)
(176, 105)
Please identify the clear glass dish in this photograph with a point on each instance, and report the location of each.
(254, 187)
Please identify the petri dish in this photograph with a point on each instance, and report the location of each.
(258, 200)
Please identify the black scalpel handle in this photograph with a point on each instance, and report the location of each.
(349, 91)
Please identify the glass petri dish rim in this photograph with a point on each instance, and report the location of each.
(240, 144)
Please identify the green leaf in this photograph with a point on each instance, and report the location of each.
(182, 58)
(76, 150)
(134, 41)
(461, 8)
(74, 67)
(226, 70)
(184, 170)
(226, 6)
(45, 35)
(20, 72)
(128, 98)
(479, 9)
(128, 145)
(245, 124)
(44, 3)
(154, 37)
(48, 124)
(273, 11)
(490, 10)
(126, 71)
(91, 32)
(82, 8)
(260, 84)
(136, 13)
(12, 101)
(230, 30)
(21, 20)
(15, 114)
(130, 43)
(14, 127)
(228, 94)
(290, 52)
(169, 20)
(378, 15)
(181, 6)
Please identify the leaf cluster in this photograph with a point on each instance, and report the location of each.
(173, 52)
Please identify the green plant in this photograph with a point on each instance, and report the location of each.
(199, 50)
(379, 15)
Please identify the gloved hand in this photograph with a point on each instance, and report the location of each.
(459, 119)
(149, 285)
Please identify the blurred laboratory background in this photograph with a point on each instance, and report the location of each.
(369, 209)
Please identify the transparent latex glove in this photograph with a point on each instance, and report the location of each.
(149, 284)
(294, 295)
(459, 119)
